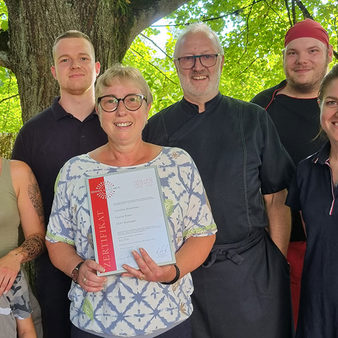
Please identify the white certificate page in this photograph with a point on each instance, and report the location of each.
(137, 217)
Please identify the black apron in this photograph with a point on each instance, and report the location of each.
(250, 295)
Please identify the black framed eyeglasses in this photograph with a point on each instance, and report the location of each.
(132, 102)
(188, 62)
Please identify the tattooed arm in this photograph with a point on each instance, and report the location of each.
(31, 217)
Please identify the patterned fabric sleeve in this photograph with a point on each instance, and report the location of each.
(198, 220)
(61, 224)
(19, 297)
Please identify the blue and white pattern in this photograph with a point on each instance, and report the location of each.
(127, 306)
(17, 299)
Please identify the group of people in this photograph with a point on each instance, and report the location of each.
(227, 175)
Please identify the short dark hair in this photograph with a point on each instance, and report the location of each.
(72, 34)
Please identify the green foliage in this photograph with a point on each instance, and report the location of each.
(3, 15)
(252, 34)
(10, 110)
(158, 71)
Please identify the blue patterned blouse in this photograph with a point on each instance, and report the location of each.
(128, 306)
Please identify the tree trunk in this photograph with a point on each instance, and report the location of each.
(33, 25)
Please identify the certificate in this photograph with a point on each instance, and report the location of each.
(127, 213)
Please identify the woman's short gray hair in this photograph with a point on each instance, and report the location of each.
(120, 72)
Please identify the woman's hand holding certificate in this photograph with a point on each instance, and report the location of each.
(148, 269)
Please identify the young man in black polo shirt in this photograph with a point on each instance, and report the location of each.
(67, 128)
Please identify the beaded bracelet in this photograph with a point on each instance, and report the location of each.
(176, 278)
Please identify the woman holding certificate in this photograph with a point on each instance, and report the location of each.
(149, 298)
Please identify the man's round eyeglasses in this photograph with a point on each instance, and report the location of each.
(188, 62)
(132, 102)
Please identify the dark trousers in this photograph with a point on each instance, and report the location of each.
(182, 330)
(52, 288)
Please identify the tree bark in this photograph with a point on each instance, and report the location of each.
(33, 25)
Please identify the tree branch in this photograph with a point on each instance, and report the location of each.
(305, 12)
(156, 45)
(147, 12)
(158, 69)
(335, 54)
(293, 11)
(235, 12)
(9, 97)
(247, 32)
(272, 9)
(288, 11)
(248, 66)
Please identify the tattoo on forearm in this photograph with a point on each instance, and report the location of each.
(35, 196)
(33, 246)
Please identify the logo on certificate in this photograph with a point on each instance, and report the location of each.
(105, 189)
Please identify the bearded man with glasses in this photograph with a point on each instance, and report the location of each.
(242, 289)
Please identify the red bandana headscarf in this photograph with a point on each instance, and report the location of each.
(307, 29)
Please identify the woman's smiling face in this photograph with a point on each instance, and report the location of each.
(123, 125)
(329, 111)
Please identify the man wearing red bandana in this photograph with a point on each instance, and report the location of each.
(293, 107)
